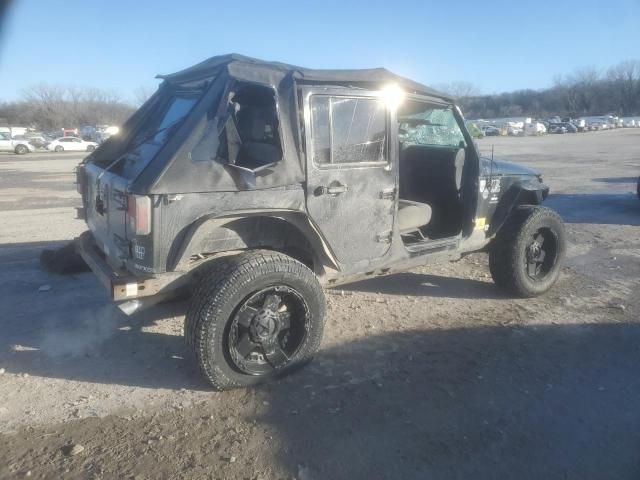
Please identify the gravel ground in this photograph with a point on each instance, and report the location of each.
(431, 373)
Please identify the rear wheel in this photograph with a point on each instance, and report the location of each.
(21, 150)
(59, 148)
(254, 317)
(527, 254)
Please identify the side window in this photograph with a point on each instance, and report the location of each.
(348, 130)
(249, 137)
(4, 136)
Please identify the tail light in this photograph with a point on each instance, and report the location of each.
(139, 214)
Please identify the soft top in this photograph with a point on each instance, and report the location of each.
(240, 66)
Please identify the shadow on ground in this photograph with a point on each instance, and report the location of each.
(73, 331)
(97, 343)
(610, 209)
(65, 326)
(420, 284)
(632, 180)
(553, 402)
(527, 402)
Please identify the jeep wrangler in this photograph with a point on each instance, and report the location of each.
(252, 185)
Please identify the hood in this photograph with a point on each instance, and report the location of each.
(501, 167)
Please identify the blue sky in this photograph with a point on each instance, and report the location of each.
(497, 45)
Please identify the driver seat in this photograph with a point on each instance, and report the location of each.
(412, 216)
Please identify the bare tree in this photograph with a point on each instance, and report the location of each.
(625, 85)
(585, 91)
(459, 89)
(54, 106)
(580, 89)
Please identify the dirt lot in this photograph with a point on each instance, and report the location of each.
(428, 374)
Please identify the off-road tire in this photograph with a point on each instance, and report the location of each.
(59, 148)
(21, 150)
(507, 255)
(222, 288)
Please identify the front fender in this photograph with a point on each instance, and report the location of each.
(521, 193)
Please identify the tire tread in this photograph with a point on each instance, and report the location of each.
(226, 276)
(504, 252)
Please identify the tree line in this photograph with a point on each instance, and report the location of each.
(49, 107)
(585, 92)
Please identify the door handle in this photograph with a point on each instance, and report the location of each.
(335, 188)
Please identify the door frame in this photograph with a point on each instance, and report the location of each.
(390, 166)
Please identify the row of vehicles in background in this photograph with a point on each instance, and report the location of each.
(554, 125)
(21, 140)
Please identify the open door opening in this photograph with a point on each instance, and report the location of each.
(432, 153)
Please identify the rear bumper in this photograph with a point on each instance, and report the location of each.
(122, 285)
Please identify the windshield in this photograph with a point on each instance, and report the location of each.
(158, 129)
(424, 124)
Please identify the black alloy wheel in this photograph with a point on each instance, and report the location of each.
(267, 330)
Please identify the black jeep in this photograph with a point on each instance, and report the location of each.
(252, 184)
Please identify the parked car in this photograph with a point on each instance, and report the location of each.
(570, 127)
(254, 208)
(557, 128)
(534, 128)
(16, 145)
(36, 139)
(580, 124)
(474, 130)
(69, 132)
(71, 144)
(491, 131)
(514, 131)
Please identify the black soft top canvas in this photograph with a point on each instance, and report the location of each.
(253, 69)
(173, 169)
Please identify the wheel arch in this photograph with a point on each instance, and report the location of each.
(20, 146)
(291, 233)
(521, 193)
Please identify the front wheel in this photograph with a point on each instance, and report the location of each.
(254, 316)
(21, 150)
(527, 253)
(90, 148)
(59, 148)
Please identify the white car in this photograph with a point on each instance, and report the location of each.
(7, 144)
(534, 128)
(71, 144)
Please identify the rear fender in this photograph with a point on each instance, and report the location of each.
(289, 232)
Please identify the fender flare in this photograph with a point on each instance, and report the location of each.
(241, 230)
(522, 193)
